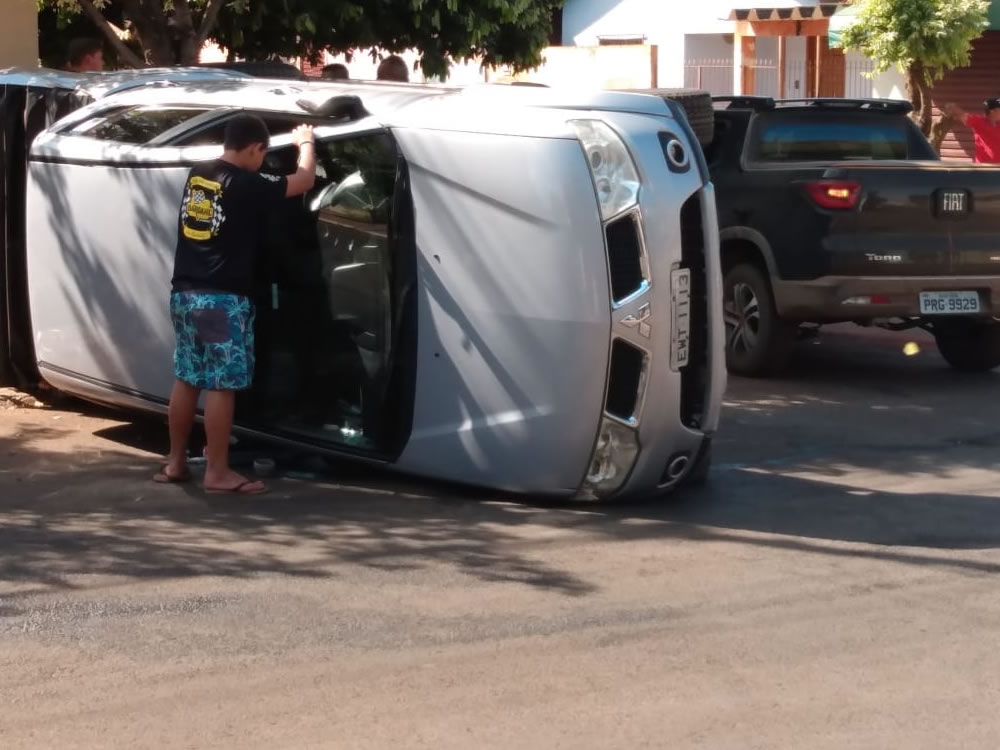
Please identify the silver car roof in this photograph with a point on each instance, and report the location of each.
(393, 104)
(107, 83)
(487, 108)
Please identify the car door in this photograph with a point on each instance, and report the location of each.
(335, 355)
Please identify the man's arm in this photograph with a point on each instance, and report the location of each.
(305, 175)
(956, 113)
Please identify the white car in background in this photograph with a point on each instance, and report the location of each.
(514, 288)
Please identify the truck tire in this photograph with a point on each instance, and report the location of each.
(969, 346)
(697, 106)
(758, 342)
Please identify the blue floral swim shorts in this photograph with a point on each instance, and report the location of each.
(215, 345)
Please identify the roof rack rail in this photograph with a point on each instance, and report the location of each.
(757, 103)
(764, 103)
(896, 106)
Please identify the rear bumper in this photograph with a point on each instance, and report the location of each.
(840, 298)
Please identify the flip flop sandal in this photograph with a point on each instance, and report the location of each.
(239, 489)
(161, 477)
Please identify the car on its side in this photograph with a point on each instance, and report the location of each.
(506, 287)
(839, 210)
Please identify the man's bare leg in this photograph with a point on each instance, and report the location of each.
(181, 413)
(219, 407)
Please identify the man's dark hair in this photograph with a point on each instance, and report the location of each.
(336, 72)
(243, 131)
(992, 104)
(82, 47)
(393, 68)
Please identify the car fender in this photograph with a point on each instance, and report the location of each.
(754, 237)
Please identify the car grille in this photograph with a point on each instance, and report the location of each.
(624, 256)
(625, 380)
(695, 376)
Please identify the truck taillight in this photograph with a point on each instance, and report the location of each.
(835, 196)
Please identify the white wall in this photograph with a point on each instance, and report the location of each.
(19, 33)
(708, 46)
(889, 85)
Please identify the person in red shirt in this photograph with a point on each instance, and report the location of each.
(985, 127)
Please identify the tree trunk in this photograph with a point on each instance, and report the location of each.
(126, 55)
(940, 131)
(184, 31)
(166, 39)
(149, 21)
(920, 97)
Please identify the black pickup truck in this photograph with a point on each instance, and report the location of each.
(839, 210)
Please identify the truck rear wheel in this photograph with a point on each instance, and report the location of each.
(969, 346)
(758, 342)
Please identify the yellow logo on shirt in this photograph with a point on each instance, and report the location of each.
(201, 209)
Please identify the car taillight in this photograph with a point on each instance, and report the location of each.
(834, 195)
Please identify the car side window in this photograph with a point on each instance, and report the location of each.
(136, 125)
(214, 133)
(818, 136)
(345, 216)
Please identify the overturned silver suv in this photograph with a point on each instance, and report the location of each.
(508, 287)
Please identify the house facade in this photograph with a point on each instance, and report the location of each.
(729, 47)
(969, 87)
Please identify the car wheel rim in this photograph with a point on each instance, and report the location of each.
(742, 316)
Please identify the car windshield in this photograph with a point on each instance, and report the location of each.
(817, 136)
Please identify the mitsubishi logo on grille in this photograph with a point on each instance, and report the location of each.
(640, 322)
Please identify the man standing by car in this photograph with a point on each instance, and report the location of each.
(85, 55)
(393, 68)
(220, 222)
(985, 127)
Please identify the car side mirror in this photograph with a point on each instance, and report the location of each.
(343, 106)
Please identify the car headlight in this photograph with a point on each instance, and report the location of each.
(615, 176)
(613, 457)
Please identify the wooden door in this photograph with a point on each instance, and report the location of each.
(832, 70)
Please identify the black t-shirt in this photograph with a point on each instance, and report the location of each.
(221, 222)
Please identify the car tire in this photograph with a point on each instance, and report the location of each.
(758, 342)
(969, 346)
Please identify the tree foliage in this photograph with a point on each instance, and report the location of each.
(923, 38)
(172, 31)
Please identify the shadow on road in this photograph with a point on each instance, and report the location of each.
(804, 463)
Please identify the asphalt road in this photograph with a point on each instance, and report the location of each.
(832, 587)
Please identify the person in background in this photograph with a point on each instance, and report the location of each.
(393, 68)
(336, 72)
(85, 55)
(985, 127)
(222, 211)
